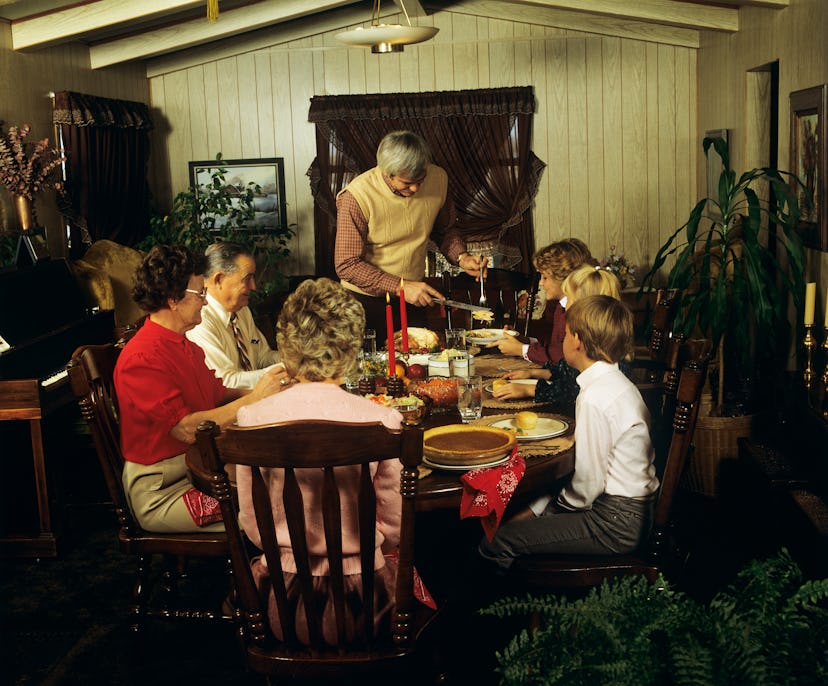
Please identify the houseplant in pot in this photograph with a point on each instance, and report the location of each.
(219, 211)
(736, 288)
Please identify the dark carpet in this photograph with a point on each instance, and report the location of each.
(65, 620)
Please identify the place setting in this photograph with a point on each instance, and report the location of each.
(536, 433)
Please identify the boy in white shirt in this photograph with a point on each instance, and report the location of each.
(607, 506)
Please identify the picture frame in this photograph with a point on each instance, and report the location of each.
(713, 170)
(267, 172)
(809, 155)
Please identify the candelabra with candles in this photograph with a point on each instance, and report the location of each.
(825, 357)
(809, 344)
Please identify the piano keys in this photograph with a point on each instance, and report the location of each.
(43, 318)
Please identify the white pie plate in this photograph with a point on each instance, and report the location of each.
(547, 427)
(428, 462)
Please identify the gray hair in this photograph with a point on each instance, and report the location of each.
(221, 257)
(403, 152)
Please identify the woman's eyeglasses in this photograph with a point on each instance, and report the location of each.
(201, 294)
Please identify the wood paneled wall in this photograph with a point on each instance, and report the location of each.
(615, 123)
(27, 79)
(795, 37)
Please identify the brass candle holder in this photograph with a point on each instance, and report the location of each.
(825, 359)
(809, 343)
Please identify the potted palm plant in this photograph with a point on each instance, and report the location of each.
(736, 285)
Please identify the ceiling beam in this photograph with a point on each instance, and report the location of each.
(577, 21)
(191, 33)
(50, 28)
(668, 12)
(276, 37)
(413, 7)
(773, 4)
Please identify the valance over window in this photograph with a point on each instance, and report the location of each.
(480, 137)
(106, 143)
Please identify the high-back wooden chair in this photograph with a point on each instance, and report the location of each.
(90, 372)
(322, 445)
(547, 573)
(651, 361)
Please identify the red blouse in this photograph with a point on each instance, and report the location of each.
(160, 378)
(552, 350)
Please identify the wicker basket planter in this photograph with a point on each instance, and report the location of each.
(715, 440)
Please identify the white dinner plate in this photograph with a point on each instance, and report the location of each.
(484, 335)
(523, 382)
(464, 468)
(545, 428)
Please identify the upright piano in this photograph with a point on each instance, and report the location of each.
(44, 317)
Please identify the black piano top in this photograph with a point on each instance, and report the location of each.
(44, 316)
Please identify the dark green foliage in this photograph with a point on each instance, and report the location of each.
(767, 628)
(219, 212)
(736, 290)
(8, 246)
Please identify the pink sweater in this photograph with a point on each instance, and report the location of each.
(327, 402)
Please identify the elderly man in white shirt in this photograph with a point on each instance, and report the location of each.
(233, 345)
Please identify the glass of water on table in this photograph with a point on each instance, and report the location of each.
(470, 398)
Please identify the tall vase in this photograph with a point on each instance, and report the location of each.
(25, 212)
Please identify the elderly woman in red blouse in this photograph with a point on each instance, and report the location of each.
(165, 390)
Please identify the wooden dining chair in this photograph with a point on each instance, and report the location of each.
(405, 649)
(548, 573)
(649, 363)
(90, 372)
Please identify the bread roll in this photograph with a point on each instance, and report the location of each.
(499, 383)
(526, 420)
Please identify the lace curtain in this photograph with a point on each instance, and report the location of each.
(480, 137)
(107, 148)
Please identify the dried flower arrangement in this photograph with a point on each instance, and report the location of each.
(27, 168)
(620, 266)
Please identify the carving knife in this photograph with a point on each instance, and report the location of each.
(461, 306)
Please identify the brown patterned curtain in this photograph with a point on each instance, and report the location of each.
(107, 147)
(480, 137)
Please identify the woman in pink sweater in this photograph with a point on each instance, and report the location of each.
(318, 334)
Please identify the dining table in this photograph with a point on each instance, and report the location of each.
(549, 464)
(546, 469)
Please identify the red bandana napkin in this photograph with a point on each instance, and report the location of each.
(421, 593)
(203, 508)
(487, 491)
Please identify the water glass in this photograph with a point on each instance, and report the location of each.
(455, 339)
(369, 342)
(352, 376)
(470, 398)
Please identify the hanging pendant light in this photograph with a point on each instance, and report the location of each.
(383, 38)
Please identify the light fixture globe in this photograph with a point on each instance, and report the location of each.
(382, 38)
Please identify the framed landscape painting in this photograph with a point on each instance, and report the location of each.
(268, 173)
(809, 150)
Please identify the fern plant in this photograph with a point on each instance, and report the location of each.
(217, 211)
(766, 629)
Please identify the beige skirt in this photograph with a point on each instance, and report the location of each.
(155, 493)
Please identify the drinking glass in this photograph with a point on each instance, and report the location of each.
(369, 342)
(455, 339)
(470, 398)
(352, 376)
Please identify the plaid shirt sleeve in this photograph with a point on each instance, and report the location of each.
(349, 250)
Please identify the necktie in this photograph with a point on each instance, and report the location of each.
(244, 358)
